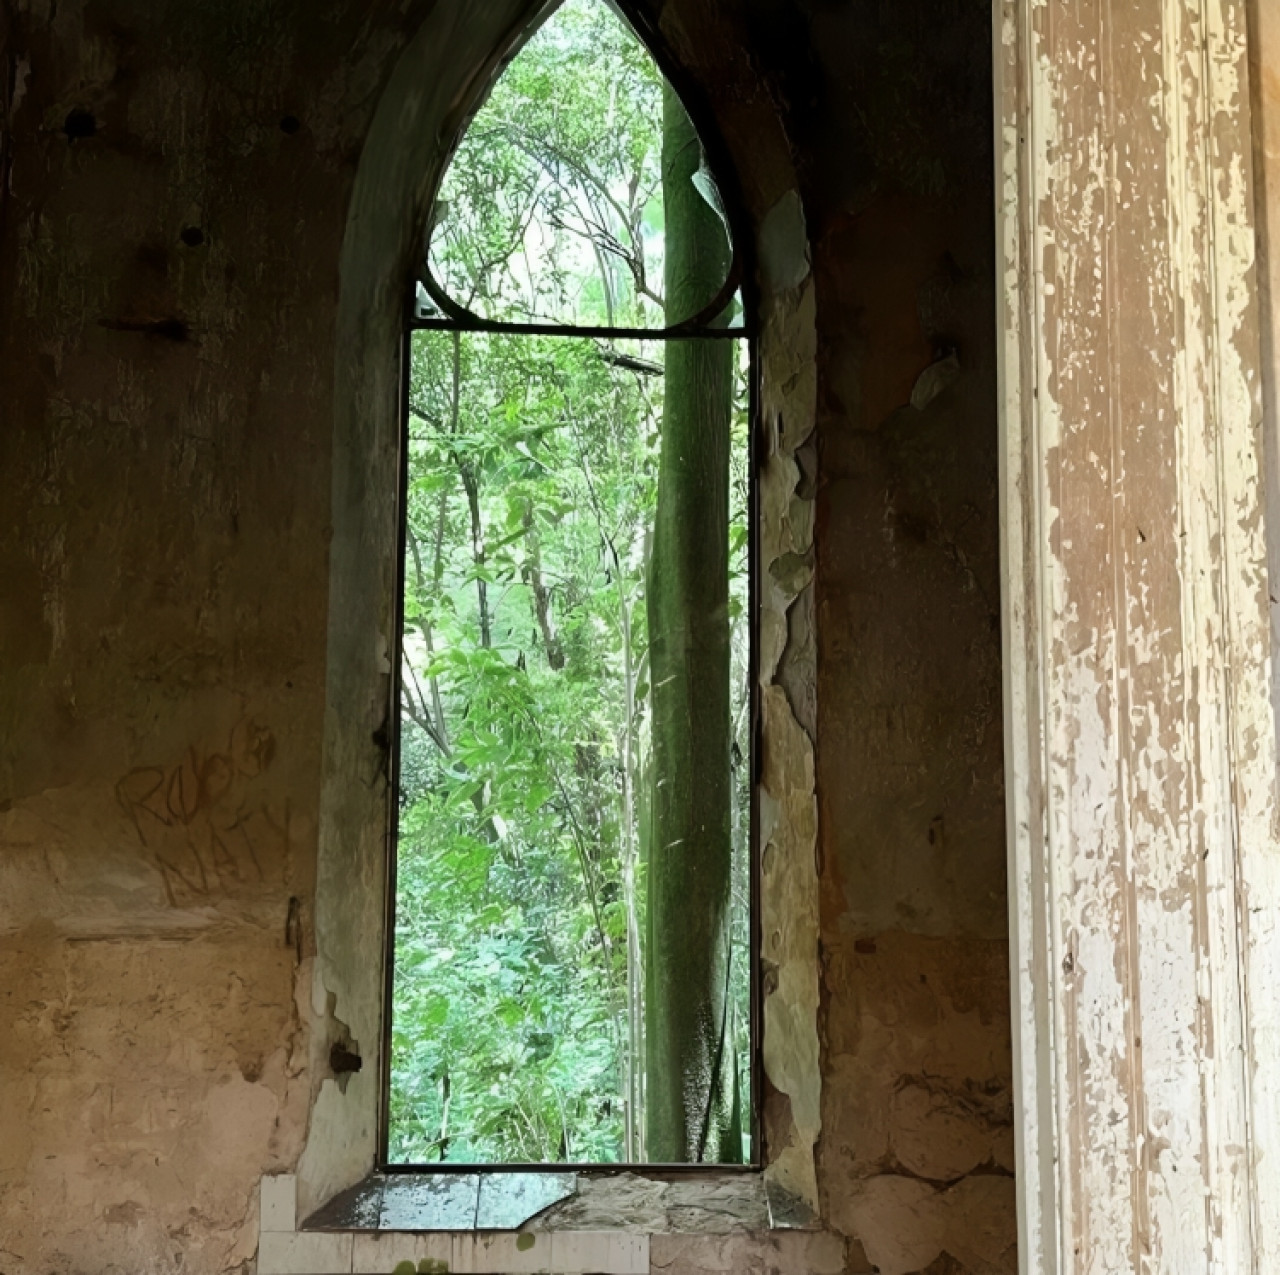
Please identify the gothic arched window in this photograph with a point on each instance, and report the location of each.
(572, 978)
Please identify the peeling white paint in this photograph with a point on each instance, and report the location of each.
(1140, 741)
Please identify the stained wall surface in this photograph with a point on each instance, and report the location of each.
(917, 1145)
(174, 184)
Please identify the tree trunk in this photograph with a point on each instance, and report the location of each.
(691, 1105)
(532, 573)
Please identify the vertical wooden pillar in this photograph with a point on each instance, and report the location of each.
(1144, 862)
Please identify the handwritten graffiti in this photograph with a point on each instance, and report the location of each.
(201, 820)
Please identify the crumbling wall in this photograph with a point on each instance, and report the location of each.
(175, 191)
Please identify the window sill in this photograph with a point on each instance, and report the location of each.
(569, 1224)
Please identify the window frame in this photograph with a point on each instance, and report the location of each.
(694, 329)
(431, 83)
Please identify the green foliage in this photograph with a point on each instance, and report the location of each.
(511, 927)
(552, 207)
(518, 993)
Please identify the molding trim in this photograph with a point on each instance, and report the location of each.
(1140, 741)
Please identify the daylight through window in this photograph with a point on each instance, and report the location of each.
(571, 971)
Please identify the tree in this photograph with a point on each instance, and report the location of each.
(692, 1108)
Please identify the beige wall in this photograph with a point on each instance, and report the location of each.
(166, 422)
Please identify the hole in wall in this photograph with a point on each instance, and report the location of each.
(80, 124)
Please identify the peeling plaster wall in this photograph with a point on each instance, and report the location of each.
(164, 439)
(175, 193)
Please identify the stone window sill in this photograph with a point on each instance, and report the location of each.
(564, 1223)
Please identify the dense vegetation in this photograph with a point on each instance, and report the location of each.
(526, 747)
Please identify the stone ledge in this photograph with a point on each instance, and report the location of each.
(656, 1203)
(568, 1224)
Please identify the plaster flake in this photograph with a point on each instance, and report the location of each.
(784, 244)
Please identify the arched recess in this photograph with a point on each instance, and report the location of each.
(437, 80)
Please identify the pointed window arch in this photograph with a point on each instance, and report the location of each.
(570, 975)
(552, 211)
